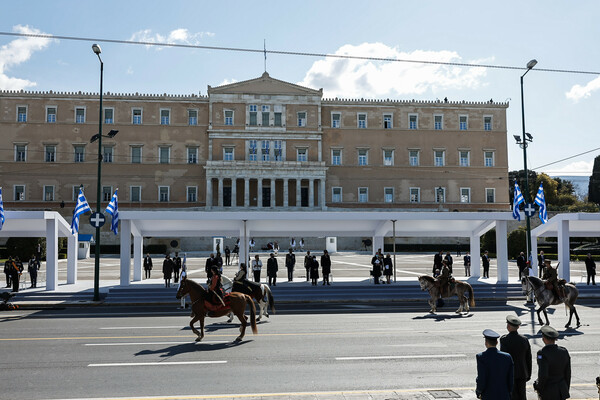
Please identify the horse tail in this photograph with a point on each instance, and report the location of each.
(250, 302)
(271, 299)
(471, 296)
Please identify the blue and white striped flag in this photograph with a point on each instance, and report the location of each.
(113, 210)
(1, 210)
(518, 199)
(81, 208)
(540, 200)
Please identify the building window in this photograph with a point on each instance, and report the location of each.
(336, 194)
(440, 195)
(265, 150)
(278, 150)
(336, 120)
(413, 158)
(19, 192)
(164, 153)
(75, 192)
(50, 152)
(136, 154)
(438, 158)
(22, 114)
(107, 154)
(388, 194)
(490, 195)
(465, 195)
(136, 116)
(388, 157)
(252, 151)
(109, 116)
(229, 117)
(51, 115)
(302, 154)
(228, 154)
(488, 158)
(192, 194)
(363, 157)
(462, 122)
(107, 193)
(192, 155)
(415, 195)
(135, 194)
(487, 123)
(277, 120)
(336, 157)
(253, 110)
(165, 116)
(464, 156)
(20, 153)
(80, 115)
(192, 117)
(438, 122)
(363, 195)
(362, 121)
(413, 121)
(79, 154)
(387, 121)
(302, 118)
(48, 193)
(163, 193)
(266, 114)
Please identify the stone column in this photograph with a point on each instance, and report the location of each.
(298, 192)
(259, 193)
(322, 195)
(475, 250)
(564, 269)
(125, 252)
(220, 193)
(233, 192)
(138, 257)
(52, 253)
(501, 251)
(246, 192)
(273, 202)
(72, 258)
(208, 193)
(286, 193)
(311, 193)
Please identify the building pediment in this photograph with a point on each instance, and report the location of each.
(265, 85)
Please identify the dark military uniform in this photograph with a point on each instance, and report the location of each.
(554, 369)
(520, 350)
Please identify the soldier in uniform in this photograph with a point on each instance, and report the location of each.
(520, 350)
(522, 265)
(290, 263)
(494, 370)
(551, 277)
(176, 267)
(554, 368)
(33, 266)
(148, 265)
(444, 279)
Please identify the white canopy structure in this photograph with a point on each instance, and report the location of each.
(246, 224)
(563, 227)
(51, 225)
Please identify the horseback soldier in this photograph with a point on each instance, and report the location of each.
(445, 280)
(552, 282)
(216, 287)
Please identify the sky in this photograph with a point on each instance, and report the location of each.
(559, 107)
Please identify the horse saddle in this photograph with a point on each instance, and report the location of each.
(245, 287)
(215, 307)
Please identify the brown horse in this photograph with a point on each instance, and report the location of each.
(235, 302)
(428, 283)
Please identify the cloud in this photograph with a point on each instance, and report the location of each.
(579, 92)
(176, 36)
(227, 82)
(577, 168)
(129, 70)
(351, 78)
(17, 52)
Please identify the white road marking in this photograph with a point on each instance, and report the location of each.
(585, 352)
(151, 343)
(400, 357)
(141, 364)
(419, 345)
(141, 327)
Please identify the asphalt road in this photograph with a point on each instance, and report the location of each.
(99, 352)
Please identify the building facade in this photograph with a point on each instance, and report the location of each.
(258, 144)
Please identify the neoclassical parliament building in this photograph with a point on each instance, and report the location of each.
(260, 144)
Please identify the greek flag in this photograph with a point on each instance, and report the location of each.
(81, 208)
(540, 200)
(1, 211)
(113, 210)
(518, 199)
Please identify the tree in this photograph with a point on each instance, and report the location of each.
(594, 187)
(519, 177)
(517, 242)
(550, 188)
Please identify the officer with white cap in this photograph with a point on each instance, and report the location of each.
(554, 368)
(520, 350)
(494, 370)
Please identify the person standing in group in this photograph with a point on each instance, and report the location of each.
(326, 267)
(376, 270)
(495, 370)
(33, 266)
(147, 265)
(256, 267)
(290, 263)
(590, 267)
(272, 268)
(554, 368)
(314, 270)
(437, 262)
(227, 255)
(7, 269)
(182, 278)
(38, 252)
(467, 264)
(388, 267)
(15, 273)
(219, 262)
(210, 261)
(522, 265)
(176, 267)
(276, 249)
(485, 260)
(449, 261)
(541, 264)
(167, 270)
(520, 350)
(307, 264)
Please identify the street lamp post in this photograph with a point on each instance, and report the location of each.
(526, 138)
(97, 51)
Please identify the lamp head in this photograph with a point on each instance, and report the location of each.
(112, 133)
(531, 64)
(97, 49)
(517, 138)
(94, 138)
(529, 136)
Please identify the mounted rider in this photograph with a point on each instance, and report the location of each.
(445, 280)
(216, 287)
(551, 280)
(241, 284)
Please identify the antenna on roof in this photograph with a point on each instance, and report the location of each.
(265, 50)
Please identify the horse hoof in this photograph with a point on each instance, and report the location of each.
(198, 339)
(238, 339)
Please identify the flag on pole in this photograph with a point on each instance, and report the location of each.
(1, 210)
(113, 210)
(81, 208)
(540, 200)
(518, 199)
